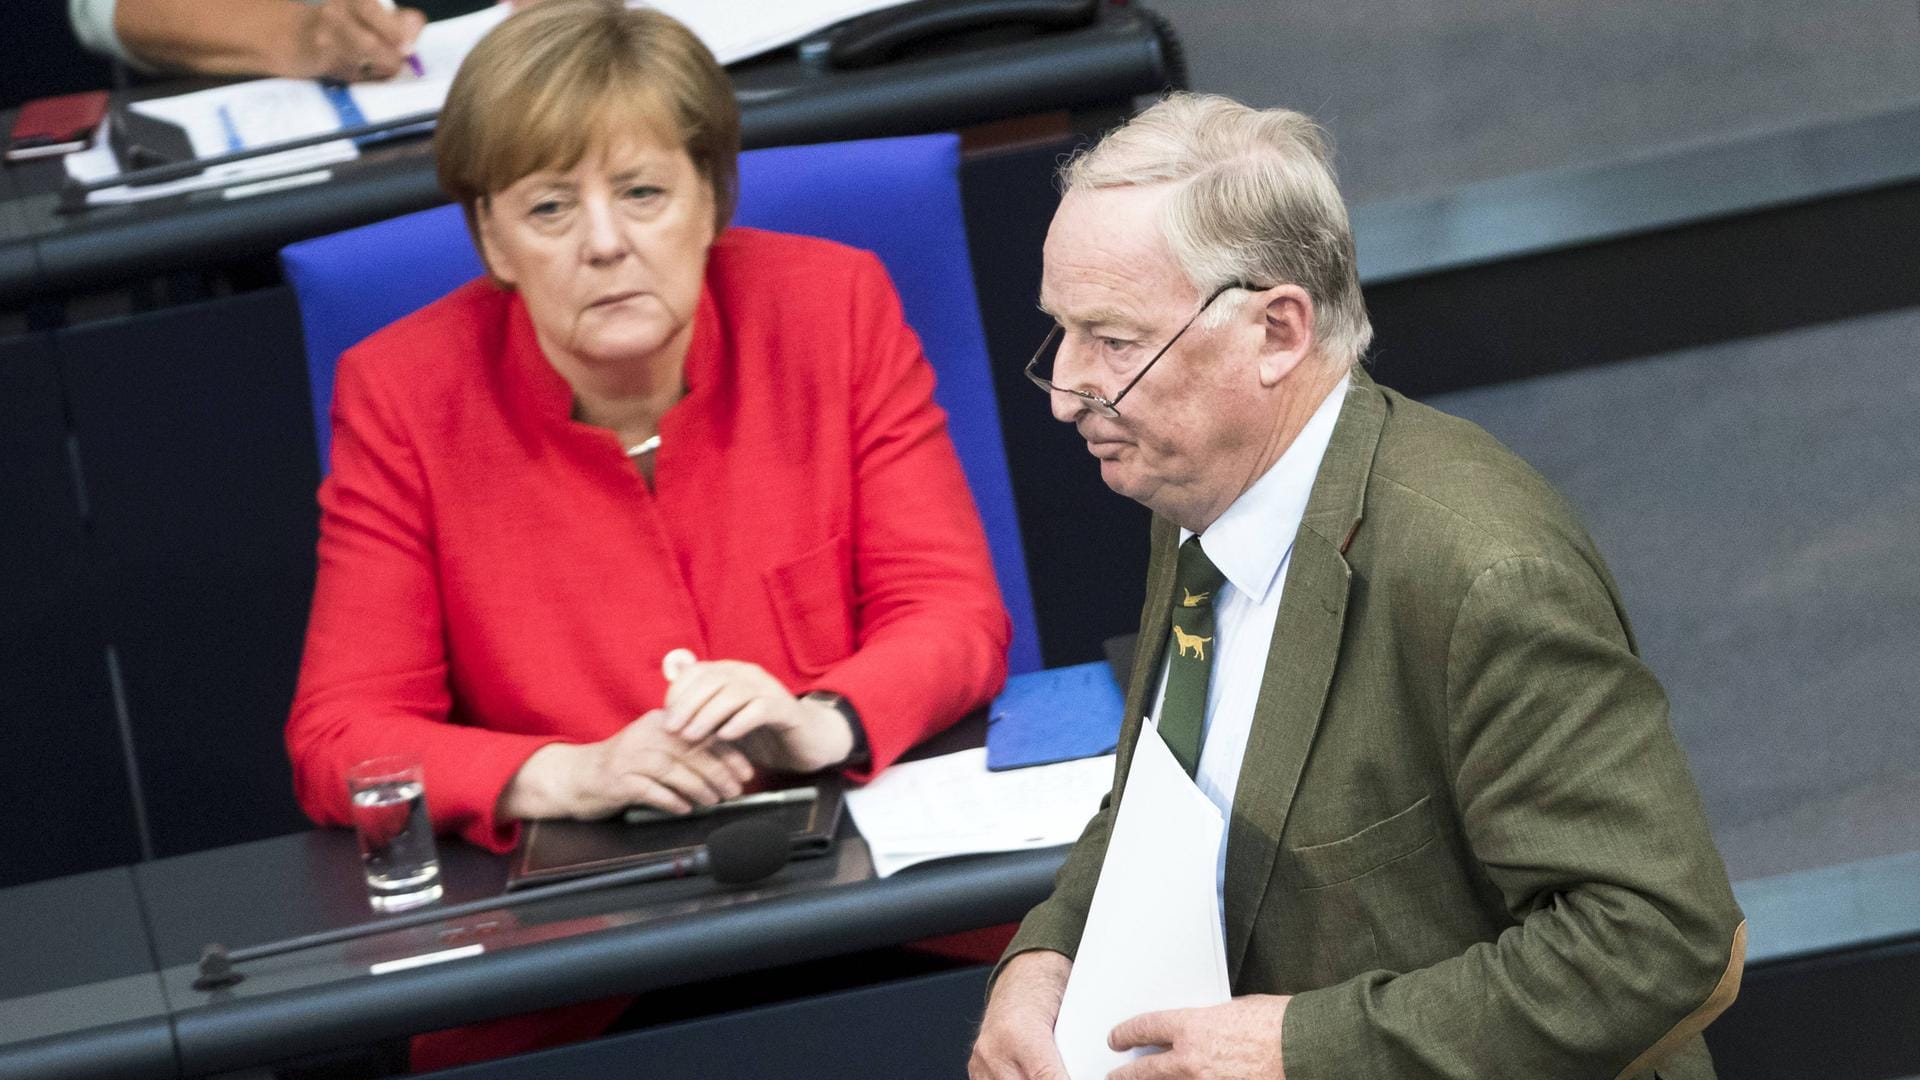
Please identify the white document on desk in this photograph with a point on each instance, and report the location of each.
(736, 31)
(940, 807)
(261, 112)
(1153, 935)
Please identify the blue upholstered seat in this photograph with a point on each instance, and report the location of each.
(899, 198)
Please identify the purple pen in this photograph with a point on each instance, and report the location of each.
(413, 59)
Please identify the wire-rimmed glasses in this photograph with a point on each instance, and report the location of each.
(1110, 407)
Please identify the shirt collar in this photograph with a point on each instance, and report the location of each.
(1240, 540)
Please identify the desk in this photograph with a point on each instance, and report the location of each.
(84, 999)
(17, 260)
(81, 994)
(96, 970)
(784, 100)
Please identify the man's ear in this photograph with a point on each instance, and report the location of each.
(483, 228)
(1287, 316)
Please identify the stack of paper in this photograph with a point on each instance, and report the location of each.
(262, 112)
(945, 806)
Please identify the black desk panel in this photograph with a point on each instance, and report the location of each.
(197, 451)
(919, 1027)
(620, 941)
(18, 260)
(81, 997)
(64, 772)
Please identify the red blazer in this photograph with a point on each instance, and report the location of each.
(495, 576)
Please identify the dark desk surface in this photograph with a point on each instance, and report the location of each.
(18, 262)
(79, 956)
(77, 975)
(784, 100)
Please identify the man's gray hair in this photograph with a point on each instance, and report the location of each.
(1256, 203)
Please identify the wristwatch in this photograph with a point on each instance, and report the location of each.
(861, 754)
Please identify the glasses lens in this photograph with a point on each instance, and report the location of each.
(1040, 371)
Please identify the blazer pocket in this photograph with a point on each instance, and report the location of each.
(812, 597)
(1369, 849)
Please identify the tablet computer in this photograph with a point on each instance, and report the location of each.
(552, 851)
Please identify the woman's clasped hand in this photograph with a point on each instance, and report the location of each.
(734, 701)
(642, 764)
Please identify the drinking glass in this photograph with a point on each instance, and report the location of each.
(389, 797)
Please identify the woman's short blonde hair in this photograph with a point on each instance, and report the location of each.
(560, 78)
(1255, 203)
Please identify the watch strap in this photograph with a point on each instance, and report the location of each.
(861, 754)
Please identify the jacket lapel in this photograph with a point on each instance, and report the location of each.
(1300, 661)
(1164, 553)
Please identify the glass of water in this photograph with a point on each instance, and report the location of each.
(389, 797)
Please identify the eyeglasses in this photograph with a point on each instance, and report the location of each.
(1110, 407)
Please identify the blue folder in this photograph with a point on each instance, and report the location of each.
(1055, 715)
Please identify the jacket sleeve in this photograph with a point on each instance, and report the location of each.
(930, 630)
(92, 22)
(1057, 922)
(1579, 807)
(373, 678)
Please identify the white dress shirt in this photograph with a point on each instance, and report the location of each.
(1251, 543)
(92, 22)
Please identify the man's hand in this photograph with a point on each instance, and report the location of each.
(353, 41)
(641, 764)
(1016, 1036)
(733, 701)
(1221, 1042)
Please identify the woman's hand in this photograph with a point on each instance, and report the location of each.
(732, 701)
(641, 764)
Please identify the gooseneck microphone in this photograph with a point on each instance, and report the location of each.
(738, 853)
(742, 852)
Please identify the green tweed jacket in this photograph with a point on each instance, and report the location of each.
(1464, 837)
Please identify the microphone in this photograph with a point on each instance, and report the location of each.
(737, 853)
(742, 852)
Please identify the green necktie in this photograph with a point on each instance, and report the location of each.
(1183, 711)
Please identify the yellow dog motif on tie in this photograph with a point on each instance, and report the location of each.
(1192, 600)
(1191, 641)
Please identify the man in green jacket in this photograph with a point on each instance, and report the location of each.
(1462, 841)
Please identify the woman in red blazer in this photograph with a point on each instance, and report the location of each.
(643, 432)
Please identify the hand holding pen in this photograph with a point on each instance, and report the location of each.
(358, 40)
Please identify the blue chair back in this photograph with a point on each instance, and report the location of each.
(899, 198)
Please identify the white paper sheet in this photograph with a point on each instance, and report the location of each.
(97, 163)
(439, 50)
(945, 806)
(736, 31)
(1153, 936)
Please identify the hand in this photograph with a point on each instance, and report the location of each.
(1016, 1035)
(641, 764)
(1238, 1039)
(732, 701)
(353, 41)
